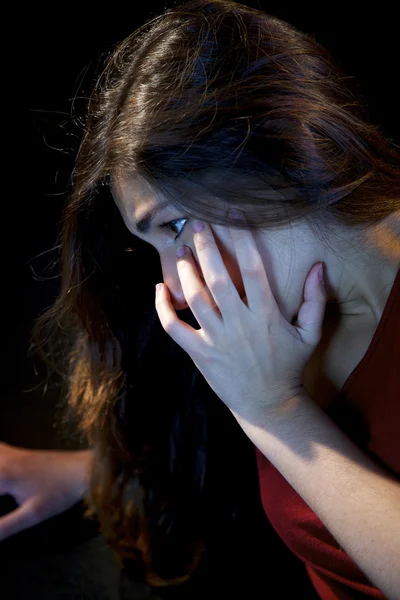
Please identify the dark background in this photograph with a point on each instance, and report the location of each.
(49, 58)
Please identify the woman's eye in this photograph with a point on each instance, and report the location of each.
(168, 226)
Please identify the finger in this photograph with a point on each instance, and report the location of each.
(183, 334)
(260, 298)
(311, 314)
(19, 519)
(215, 272)
(201, 303)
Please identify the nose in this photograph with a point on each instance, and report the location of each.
(176, 294)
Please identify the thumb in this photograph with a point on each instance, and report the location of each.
(21, 518)
(311, 314)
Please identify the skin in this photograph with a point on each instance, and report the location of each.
(358, 276)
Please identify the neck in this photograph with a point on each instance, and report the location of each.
(363, 277)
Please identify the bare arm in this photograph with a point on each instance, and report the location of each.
(353, 496)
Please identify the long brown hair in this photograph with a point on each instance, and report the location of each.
(214, 104)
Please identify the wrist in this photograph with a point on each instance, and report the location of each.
(277, 412)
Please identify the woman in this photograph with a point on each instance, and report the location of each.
(213, 106)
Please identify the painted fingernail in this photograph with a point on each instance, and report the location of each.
(198, 226)
(181, 251)
(234, 214)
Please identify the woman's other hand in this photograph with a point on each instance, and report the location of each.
(43, 483)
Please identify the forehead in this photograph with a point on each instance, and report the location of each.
(135, 195)
(137, 201)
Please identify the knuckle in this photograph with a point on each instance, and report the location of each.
(37, 511)
(170, 328)
(202, 244)
(217, 283)
(251, 272)
(194, 296)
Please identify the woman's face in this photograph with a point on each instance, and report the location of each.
(358, 272)
(134, 202)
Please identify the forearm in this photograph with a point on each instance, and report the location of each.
(356, 500)
(81, 468)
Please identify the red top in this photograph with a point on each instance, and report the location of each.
(368, 409)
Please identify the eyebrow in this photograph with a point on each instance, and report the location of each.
(143, 225)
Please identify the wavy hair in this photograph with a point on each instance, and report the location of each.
(214, 104)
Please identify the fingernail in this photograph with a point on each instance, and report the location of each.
(181, 251)
(235, 214)
(198, 226)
